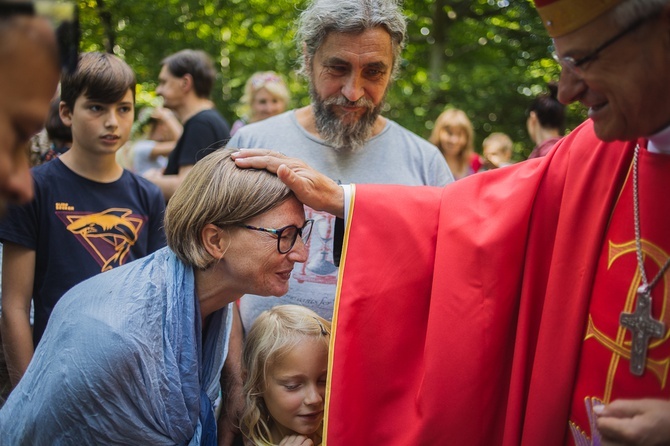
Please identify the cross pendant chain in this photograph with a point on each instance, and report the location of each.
(643, 327)
(641, 323)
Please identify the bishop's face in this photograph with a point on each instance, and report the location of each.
(626, 86)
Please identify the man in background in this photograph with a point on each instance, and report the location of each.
(351, 51)
(185, 82)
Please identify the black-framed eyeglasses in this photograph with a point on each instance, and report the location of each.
(577, 65)
(64, 18)
(287, 235)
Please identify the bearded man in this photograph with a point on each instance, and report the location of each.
(350, 54)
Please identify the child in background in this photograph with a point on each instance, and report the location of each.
(285, 363)
(160, 130)
(89, 215)
(497, 150)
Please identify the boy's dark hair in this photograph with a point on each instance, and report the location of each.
(550, 112)
(102, 77)
(198, 64)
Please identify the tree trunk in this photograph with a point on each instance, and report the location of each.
(106, 19)
(440, 24)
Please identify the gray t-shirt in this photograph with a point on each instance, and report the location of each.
(394, 156)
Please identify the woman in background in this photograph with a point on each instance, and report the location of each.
(454, 136)
(546, 121)
(265, 95)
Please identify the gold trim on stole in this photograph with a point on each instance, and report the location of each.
(336, 305)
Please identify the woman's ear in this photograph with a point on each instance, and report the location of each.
(215, 240)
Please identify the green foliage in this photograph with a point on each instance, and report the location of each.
(487, 57)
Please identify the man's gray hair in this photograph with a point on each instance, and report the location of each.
(348, 16)
(630, 11)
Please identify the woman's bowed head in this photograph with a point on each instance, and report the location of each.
(242, 229)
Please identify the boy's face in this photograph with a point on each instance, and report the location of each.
(97, 127)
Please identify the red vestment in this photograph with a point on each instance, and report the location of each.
(461, 311)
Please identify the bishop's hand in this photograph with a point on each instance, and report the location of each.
(635, 422)
(310, 186)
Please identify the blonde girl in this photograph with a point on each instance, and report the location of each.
(285, 362)
(454, 136)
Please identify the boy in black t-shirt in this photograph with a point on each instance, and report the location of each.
(89, 215)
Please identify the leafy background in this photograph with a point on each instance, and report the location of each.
(487, 57)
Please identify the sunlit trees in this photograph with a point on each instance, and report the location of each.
(484, 56)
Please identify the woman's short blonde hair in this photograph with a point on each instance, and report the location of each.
(455, 118)
(273, 334)
(269, 80)
(217, 192)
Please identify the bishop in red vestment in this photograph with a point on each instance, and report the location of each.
(494, 317)
(527, 305)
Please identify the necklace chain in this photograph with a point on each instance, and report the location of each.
(638, 239)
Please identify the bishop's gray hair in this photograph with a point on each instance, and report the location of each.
(632, 10)
(348, 16)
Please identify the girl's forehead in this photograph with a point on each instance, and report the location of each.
(303, 348)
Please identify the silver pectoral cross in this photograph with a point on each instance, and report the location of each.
(642, 327)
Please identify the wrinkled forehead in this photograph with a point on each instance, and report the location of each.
(24, 39)
(29, 68)
(26, 33)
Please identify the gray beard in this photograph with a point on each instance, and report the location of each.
(344, 137)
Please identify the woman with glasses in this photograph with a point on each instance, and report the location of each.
(134, 356)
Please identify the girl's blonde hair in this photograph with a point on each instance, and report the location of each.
(273, 334)
(217, 192)
(269, 80)
(455, 118)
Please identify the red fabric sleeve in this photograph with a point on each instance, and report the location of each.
(460, 311)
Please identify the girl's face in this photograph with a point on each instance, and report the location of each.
(453, 140)
(265, 105)
(296, 387)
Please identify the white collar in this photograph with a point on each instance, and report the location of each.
(660, 142)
